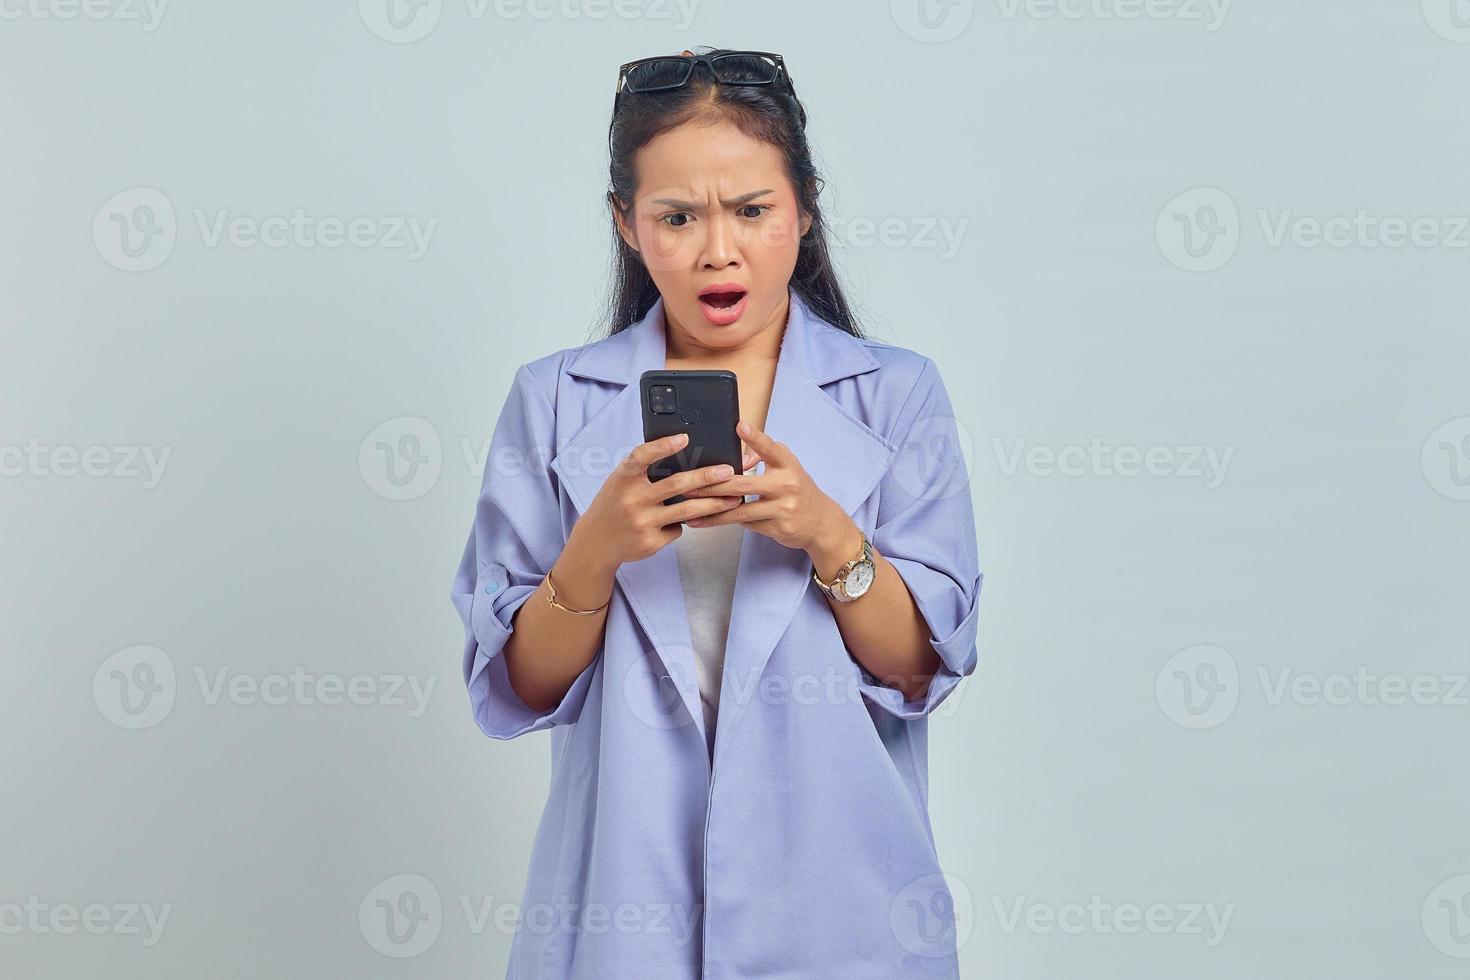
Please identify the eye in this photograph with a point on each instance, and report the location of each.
(677, 214)
(760, 209)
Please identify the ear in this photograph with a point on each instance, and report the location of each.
(806, 222)
(623, 229)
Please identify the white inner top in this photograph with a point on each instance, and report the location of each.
(708, 560)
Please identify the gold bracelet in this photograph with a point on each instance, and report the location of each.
(551, 601)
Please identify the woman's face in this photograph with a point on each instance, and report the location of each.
(714, 207)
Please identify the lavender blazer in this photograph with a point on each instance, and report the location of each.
(805, 850)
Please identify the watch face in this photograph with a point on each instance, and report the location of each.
(858, 579)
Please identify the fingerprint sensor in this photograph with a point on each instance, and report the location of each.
(690, 416)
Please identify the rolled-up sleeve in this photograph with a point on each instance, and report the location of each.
(514, 540)
(926, 529)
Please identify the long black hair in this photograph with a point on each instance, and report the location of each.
(764, 112)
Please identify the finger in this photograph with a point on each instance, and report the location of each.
(689, 481)
(742, 484)
(769, 449)
(757, 511)
(686, 510)
(645, 454)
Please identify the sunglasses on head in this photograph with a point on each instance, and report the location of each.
(663, 72)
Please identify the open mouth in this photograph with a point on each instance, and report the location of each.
(722, 301)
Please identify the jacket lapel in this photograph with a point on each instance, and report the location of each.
(841, 453)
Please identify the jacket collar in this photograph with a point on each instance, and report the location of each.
(844, 457)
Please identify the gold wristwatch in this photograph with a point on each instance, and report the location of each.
(853, 579)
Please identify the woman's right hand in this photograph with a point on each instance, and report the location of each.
(628, 519)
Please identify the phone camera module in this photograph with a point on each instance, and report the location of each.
(662, 399)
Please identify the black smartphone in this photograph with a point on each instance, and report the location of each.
(704, 404)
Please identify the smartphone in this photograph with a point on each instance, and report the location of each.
(704, 404)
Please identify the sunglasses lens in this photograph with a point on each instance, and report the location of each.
(747, 68)
(653, 75)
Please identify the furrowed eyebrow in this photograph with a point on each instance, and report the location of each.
(733, 202)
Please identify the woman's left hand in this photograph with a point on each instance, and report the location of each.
(792, 509)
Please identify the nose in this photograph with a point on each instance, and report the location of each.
(721, 250)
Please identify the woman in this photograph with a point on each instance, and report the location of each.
(738, 722)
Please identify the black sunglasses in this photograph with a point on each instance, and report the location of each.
(663, 72)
